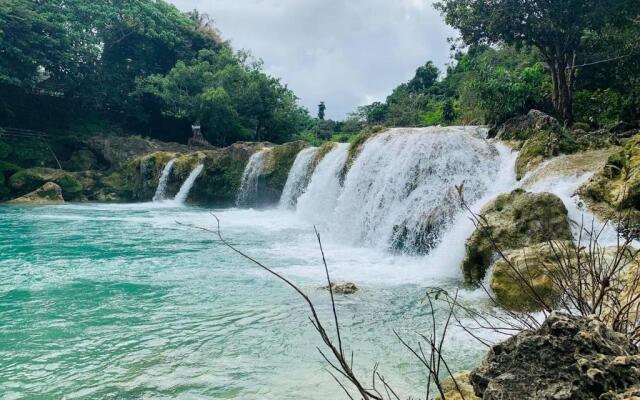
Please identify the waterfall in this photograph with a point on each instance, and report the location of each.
(183, 193)
(400, 191)
(162, 182)
(247, 195)
(298, 178)
(318, 201)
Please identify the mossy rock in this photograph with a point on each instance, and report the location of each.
(82, 160)
(615, 190)
(512, 221)
(49, 193)
(28, 180)
(521, 128)
(542, 145)
(276, 170)
(524, 281)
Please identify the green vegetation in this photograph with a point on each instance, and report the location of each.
(574, 60)
(136, 66)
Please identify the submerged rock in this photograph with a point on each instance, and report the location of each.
(567, 358)
(342, 287)
(49, 193)
(514, 220)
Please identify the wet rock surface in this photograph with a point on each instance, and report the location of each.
(567, 358)
(49, 193)
(342, 287)
(514, 220)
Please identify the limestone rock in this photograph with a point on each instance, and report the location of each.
(514, 220)
(536, 264)
(451, 391)
(30, 179)
(49, 193)
(342, 287)
(615, 189)
(567, 358)
(521, 127)
(82, 160)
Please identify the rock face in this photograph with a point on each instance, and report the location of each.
(49, 193)
(616, 187)
(30, 179)
(520, 128)
(451, 391)
(534, 264)
(567, 358)
(514, 220)
(119, 150)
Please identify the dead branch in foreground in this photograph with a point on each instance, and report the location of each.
(341, 367)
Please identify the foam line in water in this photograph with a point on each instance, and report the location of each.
(298, 178)
(248, 193)
(162, 182)
(183, 193)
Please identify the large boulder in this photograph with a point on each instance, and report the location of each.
(28, 180)
(520, 128)
(615, 189)
(567, 358)
(276, 170)
(512, 221)
(522, 281)
(542, 145)
(117, 151)
(49, 193)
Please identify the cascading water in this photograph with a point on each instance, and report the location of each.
(247, 195)
(298, 178)
(319, 200)
(162, 182)
(183, 193)
(401, 190)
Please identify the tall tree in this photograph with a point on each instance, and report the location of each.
(555, 27)
(321, 110)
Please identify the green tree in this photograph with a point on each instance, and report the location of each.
(555, 27)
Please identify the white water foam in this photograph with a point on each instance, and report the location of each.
(318, 202)
(183, 193)
(247, 195)
(298, 178)
(162, 182)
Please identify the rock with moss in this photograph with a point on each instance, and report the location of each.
(520, 128)
(458, 387)
(523, 280)
(82, 160)
(512, 221)
(49, 193)
(30, 179)
(542, 145)
(6, 170)
(568, 357)
(117, 151)
(615, 189)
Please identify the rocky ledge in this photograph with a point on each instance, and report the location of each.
(567, 358)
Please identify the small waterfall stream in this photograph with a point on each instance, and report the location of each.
(247, 195)
(183, 193)
(319, 200)
(162, 182)
(298, 178)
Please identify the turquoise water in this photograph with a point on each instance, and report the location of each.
(121, 302)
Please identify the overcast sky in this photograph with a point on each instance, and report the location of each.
(344, 52)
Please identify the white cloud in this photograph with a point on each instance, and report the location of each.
(343, 52)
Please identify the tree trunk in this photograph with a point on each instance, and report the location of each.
(562, 77)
